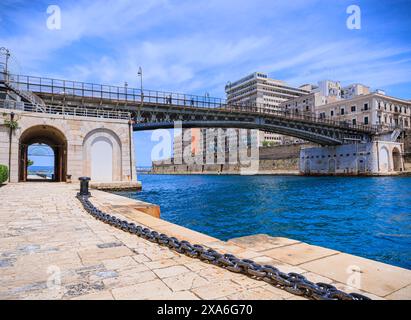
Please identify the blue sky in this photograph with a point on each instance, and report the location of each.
(197, 46)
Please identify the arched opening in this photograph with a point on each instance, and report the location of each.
(40, 162)
(384, 160)
(396, 159)
(307, 168)
(102, 160)
(331, 166)
(361, 165)
(47, 146)
(102, 156)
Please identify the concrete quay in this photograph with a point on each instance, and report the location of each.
(50, 248)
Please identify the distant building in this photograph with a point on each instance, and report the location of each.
(369, 109)
(354, 90)
(257, 89)
(330, 89)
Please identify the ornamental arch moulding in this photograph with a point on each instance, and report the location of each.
(102, 155)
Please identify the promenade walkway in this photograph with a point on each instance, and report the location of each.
(50, 248)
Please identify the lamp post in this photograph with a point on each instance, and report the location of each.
(207, 98)
(125, 92)
(6, 52)
(140, 74)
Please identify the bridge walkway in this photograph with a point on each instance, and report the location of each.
(46, 236)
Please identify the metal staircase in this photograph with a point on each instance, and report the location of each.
(395, 134)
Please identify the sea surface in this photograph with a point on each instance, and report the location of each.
(47, 170)
(364, 216)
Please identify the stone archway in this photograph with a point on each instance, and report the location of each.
(50, 136)
(396, 160)
(102, 154)
(361, 165)
(384, 160)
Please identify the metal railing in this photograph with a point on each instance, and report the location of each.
(134, 96)
(66, 110)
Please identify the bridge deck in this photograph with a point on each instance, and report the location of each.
(132, 98)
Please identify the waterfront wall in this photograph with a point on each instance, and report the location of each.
(284, 158)
(374, 158)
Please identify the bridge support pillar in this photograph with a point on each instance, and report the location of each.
(373, 158)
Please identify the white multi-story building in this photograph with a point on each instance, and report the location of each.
(354, 90)
(369, 109)
(330, 89)
(257, 89)
(353, 103)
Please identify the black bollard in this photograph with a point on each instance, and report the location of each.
(84, 186)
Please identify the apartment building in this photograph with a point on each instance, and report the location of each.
(353, 103)
(369, 109)
(257, 89)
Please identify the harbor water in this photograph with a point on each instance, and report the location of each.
(364, 216)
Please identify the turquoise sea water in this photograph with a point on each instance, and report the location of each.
(369, 217)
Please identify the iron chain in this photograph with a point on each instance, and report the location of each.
(291, 282)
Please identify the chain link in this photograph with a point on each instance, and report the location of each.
(291, 282)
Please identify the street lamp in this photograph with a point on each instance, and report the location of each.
(6, 52)
(125, 90)
(207, 98)
(140, 74)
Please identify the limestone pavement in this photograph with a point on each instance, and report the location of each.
(50, 248)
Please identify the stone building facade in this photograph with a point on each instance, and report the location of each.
(374, 158)
(257, 89)
(374, 109)
(100, 148)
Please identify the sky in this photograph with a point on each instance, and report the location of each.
(198, 46)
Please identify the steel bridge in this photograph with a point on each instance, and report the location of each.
(157, 109)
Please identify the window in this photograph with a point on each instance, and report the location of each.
(354, 121)
(365, 106)
(342, 111)
(365, 120)
(332, 113)
(353, 109)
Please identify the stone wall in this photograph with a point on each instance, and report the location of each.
(379, 157)
(282, 158)
(79, 133)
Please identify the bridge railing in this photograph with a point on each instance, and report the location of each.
(66, 110)
(305, 116)
(99, 91)
(125, 94)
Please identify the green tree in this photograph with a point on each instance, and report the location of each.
(30, 162)
(4, 173)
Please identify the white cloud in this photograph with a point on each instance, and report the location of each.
(200, 45)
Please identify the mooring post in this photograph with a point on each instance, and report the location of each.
(84, 186)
